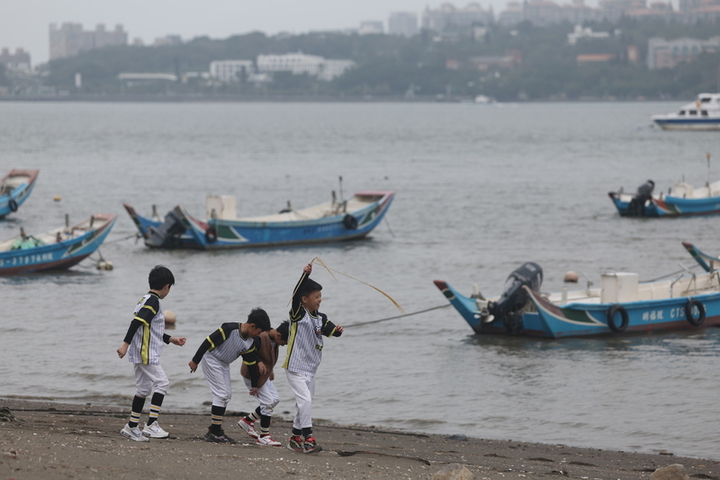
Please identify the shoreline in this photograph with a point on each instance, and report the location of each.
(52, 440)
(280, 98)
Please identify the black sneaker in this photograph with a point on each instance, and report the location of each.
(218, 437)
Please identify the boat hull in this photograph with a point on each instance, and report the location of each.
(667, 206)
(582, 320)
(59, 255)
(10, 202)
(688, 124)
(219, 234)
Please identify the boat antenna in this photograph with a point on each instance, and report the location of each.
(341, 194)
(707, 155)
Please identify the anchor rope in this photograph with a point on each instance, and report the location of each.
(398, 316)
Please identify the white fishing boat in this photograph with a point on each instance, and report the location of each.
(702, 114)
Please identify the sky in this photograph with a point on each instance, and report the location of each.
(24, 23)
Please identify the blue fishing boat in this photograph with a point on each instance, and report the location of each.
(620, 305)
(57, 249)
(623, 305)
(15, 188)
(682, 200)
(352, 218)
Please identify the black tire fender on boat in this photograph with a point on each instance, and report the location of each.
(615, 309)
(350, 222)
(12, 204)
(696, 322)
(210, 235)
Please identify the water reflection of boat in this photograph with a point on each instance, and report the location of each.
(702, 114)
(57, 249)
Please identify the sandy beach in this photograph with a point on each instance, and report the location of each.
(48, 440)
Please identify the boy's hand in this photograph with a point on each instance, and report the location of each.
(339, 330)
(253, 391)
(178, 341)
(193, 366)
(308, 268)
(123, 349)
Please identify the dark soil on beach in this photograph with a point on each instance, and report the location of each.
(47, 440)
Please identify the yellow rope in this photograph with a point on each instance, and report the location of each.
(331, 270)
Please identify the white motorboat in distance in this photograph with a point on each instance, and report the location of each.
(702, 114)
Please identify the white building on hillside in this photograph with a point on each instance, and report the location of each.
(231, 70)
(371, 27)
(299, 63)
(584, 32)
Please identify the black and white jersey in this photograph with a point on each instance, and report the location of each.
(305, 338)
(227, 345)
(146, 334)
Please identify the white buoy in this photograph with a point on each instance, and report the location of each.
(57, 198)
(170, 317)
(105, 265)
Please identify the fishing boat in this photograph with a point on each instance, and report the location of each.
(682, 200)
(620, 305)
(352, 218)
(15, 188)
(702, 114)
(57, 249)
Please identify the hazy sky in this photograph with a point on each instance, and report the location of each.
(24, 23)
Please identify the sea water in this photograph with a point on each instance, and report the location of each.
(480, 190)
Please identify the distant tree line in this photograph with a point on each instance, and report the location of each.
(417, 67)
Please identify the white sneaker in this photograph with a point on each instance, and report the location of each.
(133, 433)
(154, 431)
(267, 440)
(249, 427)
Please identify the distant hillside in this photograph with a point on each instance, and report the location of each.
(522, 62)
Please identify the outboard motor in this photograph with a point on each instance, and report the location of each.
(637, 204)
(166, 234)
(514, 298)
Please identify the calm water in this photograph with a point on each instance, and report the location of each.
(480, 190)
